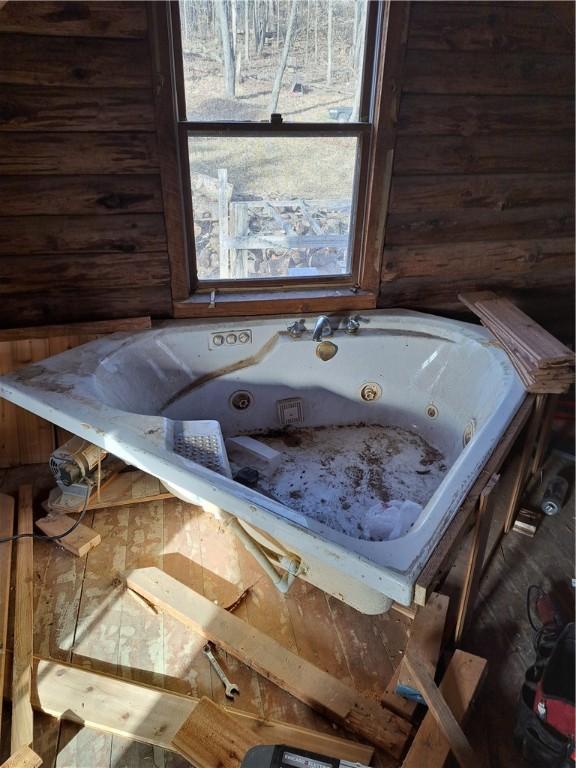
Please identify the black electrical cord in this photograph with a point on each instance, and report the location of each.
(44, 537)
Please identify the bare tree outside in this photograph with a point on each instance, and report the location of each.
(287, 202)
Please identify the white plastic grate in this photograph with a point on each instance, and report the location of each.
(201, 442)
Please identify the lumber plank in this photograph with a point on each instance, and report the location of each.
(22, 718)
(425, 640)
(90, 153)
(211, 737)
(123, 233)
(94, 19)
(459, 687)
(153, 715)
(72, 195)
(463, 115)
(486, 27)
(441, 712)
(6, 530)
(23, 758)
(79, 542)
(77, 62)
(307, 682)
(38, 108)
(91, 328)
(507, 74)
(482, 154)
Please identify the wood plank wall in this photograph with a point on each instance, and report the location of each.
(82, 232)
(483, 183)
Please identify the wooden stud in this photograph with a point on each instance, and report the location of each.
(79, 542)
(22, 718)
(211, 737)
(441, 712)
(544, 435)
(6, 530)
(23, 758)
(425, 639)
(304, 680)
(463, 677)
(153, 715)
(471, 583)
(527, 451)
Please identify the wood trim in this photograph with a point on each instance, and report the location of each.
(24, 757)
(93, 328)
(173, 193)
(6, 530)
(476, 557)
(389, 91)
(441, 556)
(22, 717)
(256, 303)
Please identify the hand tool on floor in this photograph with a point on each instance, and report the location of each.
(231, 688)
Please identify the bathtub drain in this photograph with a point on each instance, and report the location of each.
(241, 400)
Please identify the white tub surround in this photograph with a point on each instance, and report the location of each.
(443, 381)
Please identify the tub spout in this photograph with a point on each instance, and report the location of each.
(322, 328)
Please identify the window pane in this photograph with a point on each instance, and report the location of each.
(268, 207)
(244, 59)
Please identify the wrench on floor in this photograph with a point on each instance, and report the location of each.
(231, 688)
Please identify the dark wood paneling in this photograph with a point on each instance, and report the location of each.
(484, 154)
(64, 273)
(82, 153)
(486, 26)
(477, 260)
(456, 115)
(75, 195)
(483, 187)
(464, 225)
(75, 235)
(81, 19)
(76, 109)
(499, 192)
(507, 74)
(74, 62)
(69, 304)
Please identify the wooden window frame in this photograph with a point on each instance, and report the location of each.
(276, 296)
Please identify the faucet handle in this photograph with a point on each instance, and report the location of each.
(352, 324)
(297, 328)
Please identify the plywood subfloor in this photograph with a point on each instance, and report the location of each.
(84, 615)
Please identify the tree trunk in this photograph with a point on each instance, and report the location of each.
(246, 33)
(329, 46)
(283, 58)
(316, 32)
(227, 48)
(307, 33)
(358, 61)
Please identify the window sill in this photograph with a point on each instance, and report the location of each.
(296, 301)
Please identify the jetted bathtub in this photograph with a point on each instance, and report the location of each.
(440, 381)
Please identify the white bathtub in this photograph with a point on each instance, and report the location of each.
(440, 378)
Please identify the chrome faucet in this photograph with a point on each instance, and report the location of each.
(322, 328)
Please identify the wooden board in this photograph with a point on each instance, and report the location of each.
(37, 108)
(23, 758)
(425, 640)
(441, 712)
(94, 19)
(459, 687)
(307, 682)
(152, 715)
(22, 718)
(126, 488)
(210, 737)
(79, 542)
(6, 530)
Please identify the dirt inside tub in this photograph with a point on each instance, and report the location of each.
(367, 481)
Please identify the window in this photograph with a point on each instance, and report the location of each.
(275, 112)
